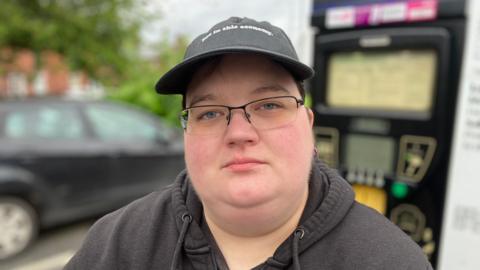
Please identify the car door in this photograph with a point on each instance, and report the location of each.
(145, 155)
(49, 140)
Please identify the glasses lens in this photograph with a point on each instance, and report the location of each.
(262, 114)
(273, 112)
(205, 119)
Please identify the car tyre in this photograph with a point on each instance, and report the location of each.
(18, 226)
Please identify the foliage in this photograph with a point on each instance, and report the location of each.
(308, 100)
(95, 36)
(138, 88)
(100, 37)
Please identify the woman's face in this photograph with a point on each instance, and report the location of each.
(244, 171)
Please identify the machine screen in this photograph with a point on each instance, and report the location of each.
(369, 152)
(401, 80)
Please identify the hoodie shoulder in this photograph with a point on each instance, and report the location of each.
(127, 237)
(349, 235)
(370, 241)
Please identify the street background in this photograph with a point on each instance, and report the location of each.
(115, 50)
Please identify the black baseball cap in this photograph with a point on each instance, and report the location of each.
(234, 35)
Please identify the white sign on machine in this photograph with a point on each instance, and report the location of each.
(460, 243)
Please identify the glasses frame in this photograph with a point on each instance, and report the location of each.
(184, 113)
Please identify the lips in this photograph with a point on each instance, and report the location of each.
(243, 164)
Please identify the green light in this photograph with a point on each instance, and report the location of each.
(399, 190)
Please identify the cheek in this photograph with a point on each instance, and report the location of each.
(199, 152)
(294, 144)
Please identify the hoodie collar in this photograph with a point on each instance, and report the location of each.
(185, 201)
(321, 214)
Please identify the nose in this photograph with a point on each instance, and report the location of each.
(230, 115)
(239, 130)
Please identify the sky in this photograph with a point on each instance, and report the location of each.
(194, 17)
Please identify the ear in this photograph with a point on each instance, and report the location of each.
(310, 116)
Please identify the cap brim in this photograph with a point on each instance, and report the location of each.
(176, 80)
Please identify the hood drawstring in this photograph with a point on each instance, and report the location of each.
(297, 236)
(187, 219)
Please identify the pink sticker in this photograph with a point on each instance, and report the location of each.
(422, 10)
(341, 17)
(383, 13)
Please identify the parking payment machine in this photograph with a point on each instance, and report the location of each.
(384, 97)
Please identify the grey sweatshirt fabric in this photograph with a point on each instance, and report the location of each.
(165, 230)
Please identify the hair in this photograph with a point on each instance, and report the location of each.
(301, 88)
(207, 67)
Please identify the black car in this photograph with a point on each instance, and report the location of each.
(64, 160)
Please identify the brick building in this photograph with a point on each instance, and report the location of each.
(25, 74)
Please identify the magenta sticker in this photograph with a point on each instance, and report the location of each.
(362, 15)
(383, 13)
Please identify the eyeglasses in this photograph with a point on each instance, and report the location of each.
(265, 113)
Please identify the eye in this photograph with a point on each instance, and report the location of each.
(209, 115)
(269, 106)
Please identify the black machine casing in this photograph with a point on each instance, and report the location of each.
(429, 134)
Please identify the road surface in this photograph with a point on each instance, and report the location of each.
(51, 250)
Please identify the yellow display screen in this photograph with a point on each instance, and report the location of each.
(401, 80)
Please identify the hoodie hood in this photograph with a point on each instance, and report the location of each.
(166, 230)
(330, 199)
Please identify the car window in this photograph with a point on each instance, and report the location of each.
(114, 123)
(43, 122)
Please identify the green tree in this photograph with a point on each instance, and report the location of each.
(99, 37)
(141, 77)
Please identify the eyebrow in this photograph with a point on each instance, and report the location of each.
(270, 88)
(259, 90)
(197, 99)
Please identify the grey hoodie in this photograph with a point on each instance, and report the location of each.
(165, 230)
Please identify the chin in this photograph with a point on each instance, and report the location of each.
(248, 198)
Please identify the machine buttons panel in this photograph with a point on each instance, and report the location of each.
(415, 156)
(410, 219)
(368, 177)
(413, 222)
(327, 145)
